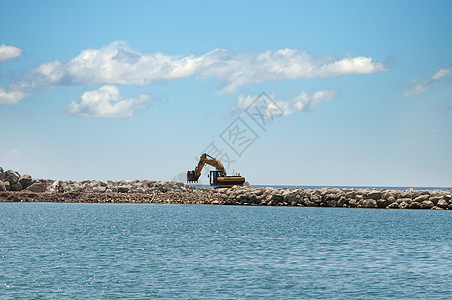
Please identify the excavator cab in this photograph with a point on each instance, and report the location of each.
(214, 177)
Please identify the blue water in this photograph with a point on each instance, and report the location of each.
(399, 188)
(108, 251)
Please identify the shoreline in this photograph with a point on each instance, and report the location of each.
(159, 192)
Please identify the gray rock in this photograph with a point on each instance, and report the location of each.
(12, 176)
(342, 202)
(37, 187)
(277, 199)
(331, 202)
(435, 199)
(25, 181)
(381, 203)
(370, 203)
(394, 205)
(415, 205)
(403, 205)
(2, 186)
(406, 200)
(353, 202)
(421, 198)
(350, 195)
(16, 187)
(2, 174)
(427, 204)
(390, 200)
(405, 195)
(375, 195)
(442, 203)
(7, 185)
(313, 204)
(99, 189)
(123, 189)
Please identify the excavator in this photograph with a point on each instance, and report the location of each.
(218, 177)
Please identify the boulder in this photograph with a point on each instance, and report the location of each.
(370, 203)
(442, 203)
(406, 200)
(37, 187)
(342, 202)
(435, 199)
(375, 195)
(2, 186)
(12, 176)
(123, 189)
(99, 189)
(427, 204)
(421, 198)
(393, 205)
(353, 203)
(403, 205)
(381, 203)
(2, 174)
(7, 185)
(390, 200)
(405, 195)
(25, 181)
(16, 187)
(331, 202)
(350, 195)
(415, 205)
(331, 199)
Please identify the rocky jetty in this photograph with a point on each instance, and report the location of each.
(23, 188)
(147, 191)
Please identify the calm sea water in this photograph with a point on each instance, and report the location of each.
(95, 251)
(399, 188)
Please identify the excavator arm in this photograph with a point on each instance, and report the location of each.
(192, 176)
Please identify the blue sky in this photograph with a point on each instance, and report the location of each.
(355, 92)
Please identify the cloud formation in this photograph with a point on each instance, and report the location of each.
(119, 64)
(106, 103)
(8, 52)
(10, 97)
(419, 86)
(305, 101)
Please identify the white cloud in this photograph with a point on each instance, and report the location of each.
(106, 103)
(9, 52)
(117, 63)
(418, 86)
(12, 97)
(305, 101)
(441, 73)
(417, 89)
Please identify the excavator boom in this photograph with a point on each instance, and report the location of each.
(218, 177)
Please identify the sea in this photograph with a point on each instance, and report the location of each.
(152, 251)
(397, 188)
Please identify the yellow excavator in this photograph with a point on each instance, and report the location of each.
(217, 177)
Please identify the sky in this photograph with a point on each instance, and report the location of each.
(325, 93)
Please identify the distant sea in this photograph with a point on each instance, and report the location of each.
(149, 251)
(400, 188)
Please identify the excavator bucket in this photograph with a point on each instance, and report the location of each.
(191, 176)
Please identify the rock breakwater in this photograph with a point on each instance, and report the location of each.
(147, 191)
(23, 188)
